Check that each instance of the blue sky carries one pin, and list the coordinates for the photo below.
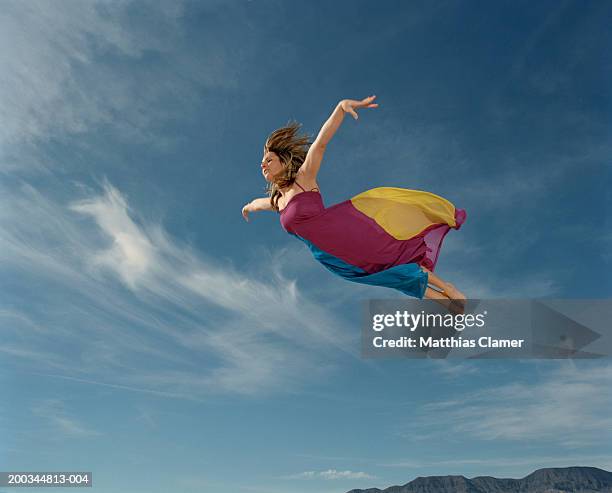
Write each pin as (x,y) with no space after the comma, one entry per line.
(153,337)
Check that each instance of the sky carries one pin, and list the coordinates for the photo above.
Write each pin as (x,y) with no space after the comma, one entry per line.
(152,336)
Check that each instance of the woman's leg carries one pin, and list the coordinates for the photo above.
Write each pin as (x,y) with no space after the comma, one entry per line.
(446,287)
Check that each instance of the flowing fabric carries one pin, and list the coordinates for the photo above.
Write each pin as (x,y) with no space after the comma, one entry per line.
(382,236)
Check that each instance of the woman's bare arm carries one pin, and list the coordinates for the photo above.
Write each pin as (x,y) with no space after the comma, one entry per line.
(261,204)
(312,163)
(330,127)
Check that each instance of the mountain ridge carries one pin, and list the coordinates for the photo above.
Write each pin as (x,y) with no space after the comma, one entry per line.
(574,479)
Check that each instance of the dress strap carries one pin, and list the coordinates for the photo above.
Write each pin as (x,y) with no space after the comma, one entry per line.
(303,187)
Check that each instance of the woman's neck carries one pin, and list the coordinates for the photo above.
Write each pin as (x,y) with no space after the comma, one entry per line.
(284,190)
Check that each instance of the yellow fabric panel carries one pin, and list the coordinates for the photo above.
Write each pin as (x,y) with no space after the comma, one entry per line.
(404,213)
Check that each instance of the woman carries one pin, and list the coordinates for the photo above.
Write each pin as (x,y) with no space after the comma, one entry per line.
(385,236)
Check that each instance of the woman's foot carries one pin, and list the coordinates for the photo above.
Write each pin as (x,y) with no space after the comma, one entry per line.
(456,307)
(454,294)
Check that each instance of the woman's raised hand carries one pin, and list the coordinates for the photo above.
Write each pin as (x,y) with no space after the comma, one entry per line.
(350,105)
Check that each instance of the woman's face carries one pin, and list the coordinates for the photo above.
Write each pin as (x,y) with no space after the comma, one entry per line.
(270,165)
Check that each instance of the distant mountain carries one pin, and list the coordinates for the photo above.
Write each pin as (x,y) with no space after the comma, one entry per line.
(549,480)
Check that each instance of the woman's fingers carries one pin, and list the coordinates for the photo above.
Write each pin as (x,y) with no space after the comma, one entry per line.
(352,105)
(367,102)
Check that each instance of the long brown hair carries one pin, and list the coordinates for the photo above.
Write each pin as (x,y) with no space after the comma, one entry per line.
(291,150)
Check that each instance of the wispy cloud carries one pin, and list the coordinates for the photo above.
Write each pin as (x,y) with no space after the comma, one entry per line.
(55,413)
(119,292)
(63,73)
(451,369)
(147,416)
(330,474)
(565,406)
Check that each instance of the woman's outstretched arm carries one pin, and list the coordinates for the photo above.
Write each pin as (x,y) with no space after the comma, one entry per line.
(261,204)
(312,163)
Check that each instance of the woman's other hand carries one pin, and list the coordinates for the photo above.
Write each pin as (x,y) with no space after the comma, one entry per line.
(245,211)
(350,105)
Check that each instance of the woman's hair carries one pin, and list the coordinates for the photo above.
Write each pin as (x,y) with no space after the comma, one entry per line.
(291,149)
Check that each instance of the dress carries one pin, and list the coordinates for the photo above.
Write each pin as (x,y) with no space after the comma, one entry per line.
(380,237)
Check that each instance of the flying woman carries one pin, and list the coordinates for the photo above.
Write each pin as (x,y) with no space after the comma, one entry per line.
(385,236)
